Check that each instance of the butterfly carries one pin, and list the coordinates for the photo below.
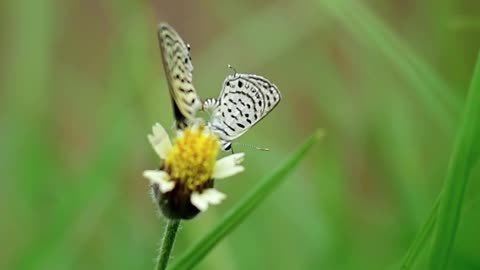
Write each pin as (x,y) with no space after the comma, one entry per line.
(245,99)
(177,63)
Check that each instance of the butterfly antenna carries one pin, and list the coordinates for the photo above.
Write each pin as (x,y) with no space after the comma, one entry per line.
(253,146)
(232,68)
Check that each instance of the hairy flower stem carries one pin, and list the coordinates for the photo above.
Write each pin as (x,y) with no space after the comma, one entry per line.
(167,243)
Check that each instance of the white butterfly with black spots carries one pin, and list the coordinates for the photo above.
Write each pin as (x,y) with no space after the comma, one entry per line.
(245,99)
(178,67)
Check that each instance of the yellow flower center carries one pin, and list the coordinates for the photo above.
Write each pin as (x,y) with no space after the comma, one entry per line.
(192,158)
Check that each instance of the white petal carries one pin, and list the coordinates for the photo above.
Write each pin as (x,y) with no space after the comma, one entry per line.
(213,196)
(198,201)
(207,197)
(161,178)
(160,141)
(228,166)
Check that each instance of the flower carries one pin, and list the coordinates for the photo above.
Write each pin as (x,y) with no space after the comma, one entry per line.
(183,185)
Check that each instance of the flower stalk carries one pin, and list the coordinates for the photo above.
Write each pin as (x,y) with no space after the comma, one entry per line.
(167,243)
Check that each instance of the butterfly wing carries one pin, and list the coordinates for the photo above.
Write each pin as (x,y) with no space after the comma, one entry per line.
(269,91)
(178,68)
(245,99)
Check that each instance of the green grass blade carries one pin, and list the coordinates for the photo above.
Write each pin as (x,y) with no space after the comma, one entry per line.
(461,164)
(420,240)
(195,254)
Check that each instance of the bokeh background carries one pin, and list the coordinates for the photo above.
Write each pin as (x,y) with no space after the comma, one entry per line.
(81,83)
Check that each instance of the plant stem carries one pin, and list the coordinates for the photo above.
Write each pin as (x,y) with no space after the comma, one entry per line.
(167,243)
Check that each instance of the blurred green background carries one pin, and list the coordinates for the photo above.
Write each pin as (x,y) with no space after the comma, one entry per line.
(81,84)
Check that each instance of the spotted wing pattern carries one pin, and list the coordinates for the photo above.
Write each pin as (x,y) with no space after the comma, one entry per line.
(178,67)
(245,99)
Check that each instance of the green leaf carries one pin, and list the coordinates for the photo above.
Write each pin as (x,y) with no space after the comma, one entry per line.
(266,186)
(461,163)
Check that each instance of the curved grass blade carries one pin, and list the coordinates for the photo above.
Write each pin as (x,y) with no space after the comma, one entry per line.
(268,184)
(420,240)
(462,160)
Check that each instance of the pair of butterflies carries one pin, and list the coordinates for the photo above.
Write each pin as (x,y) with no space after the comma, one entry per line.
(245,99)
